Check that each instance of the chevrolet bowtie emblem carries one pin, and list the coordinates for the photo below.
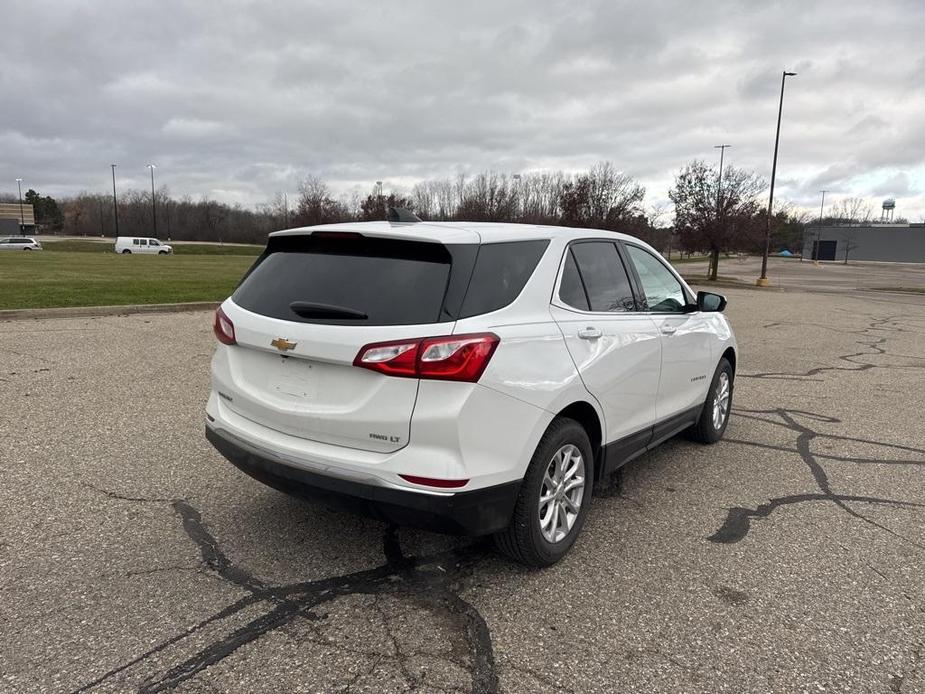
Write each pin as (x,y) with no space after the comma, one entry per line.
(282,344)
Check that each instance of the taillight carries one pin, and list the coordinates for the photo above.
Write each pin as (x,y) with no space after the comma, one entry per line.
(448,358)
(223,328)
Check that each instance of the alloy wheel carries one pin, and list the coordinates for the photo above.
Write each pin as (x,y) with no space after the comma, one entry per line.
(561,493)
(721,401)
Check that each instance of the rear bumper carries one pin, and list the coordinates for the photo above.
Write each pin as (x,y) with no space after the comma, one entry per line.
(475,512)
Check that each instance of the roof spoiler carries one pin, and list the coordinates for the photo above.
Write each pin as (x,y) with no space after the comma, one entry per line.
(401,214)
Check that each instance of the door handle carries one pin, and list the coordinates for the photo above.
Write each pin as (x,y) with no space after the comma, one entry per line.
(589,333)
(669,330)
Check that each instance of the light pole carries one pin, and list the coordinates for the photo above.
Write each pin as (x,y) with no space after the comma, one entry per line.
(714,259)
(115,203)
(22,217)
(818,227)
(153,202)
(763,280)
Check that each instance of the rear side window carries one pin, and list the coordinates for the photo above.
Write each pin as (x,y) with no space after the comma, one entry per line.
(348,280)
(500,273)
(606,284)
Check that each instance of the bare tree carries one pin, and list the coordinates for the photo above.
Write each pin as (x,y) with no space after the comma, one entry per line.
(316,205)
(852,211)
(601,197)
(604,198)
(711,218)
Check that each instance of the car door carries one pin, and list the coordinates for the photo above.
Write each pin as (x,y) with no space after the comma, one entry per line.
(687,337)
(615,347)
(143,246)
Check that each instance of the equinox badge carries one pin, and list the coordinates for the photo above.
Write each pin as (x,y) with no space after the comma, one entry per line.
(282,344)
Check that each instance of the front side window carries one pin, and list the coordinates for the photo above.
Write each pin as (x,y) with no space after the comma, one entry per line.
(663,292)
(603,278)
(153,242)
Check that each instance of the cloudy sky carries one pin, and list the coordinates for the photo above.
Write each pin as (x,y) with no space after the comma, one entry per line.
(238,100)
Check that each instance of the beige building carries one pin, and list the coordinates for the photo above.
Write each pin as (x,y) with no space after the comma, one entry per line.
(10,219)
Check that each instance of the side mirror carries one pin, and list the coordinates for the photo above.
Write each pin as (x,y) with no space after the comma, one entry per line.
(708,301)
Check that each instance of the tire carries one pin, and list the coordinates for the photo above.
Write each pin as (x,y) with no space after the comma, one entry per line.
(126,250)
(524,540)
(162,252)
(706,430)
(27,248)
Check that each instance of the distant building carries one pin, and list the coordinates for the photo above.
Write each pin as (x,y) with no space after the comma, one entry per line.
(890,243)
(10,219)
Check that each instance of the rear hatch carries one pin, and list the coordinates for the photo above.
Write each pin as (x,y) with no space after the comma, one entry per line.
(305,310)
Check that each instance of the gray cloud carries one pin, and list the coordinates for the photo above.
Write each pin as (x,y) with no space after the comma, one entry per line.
(239,100)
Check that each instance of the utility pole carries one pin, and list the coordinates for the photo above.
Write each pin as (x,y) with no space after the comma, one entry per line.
(153,202)
(818,226)
(22,216)
(714,260)
(763,280)
(115,203)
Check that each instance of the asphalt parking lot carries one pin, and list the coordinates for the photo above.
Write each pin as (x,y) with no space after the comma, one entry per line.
(788,558)
(794,274)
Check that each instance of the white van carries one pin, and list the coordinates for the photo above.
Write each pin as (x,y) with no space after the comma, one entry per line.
(139,244)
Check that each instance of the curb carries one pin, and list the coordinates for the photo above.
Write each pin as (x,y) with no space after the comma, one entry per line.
(89,311)
(723,284)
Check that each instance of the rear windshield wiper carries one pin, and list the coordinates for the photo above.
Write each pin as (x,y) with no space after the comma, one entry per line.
(308,309)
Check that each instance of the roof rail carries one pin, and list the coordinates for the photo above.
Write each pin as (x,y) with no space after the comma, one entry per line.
(401,214)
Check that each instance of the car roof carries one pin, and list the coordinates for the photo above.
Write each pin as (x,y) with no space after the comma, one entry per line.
(458,232)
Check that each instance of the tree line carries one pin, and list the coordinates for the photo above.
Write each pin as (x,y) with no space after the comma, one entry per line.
(710,214)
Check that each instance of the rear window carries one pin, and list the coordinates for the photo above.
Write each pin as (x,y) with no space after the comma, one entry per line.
(354,279)
(500,273)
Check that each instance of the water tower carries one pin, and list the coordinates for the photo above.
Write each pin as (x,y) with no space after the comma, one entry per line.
(888,206)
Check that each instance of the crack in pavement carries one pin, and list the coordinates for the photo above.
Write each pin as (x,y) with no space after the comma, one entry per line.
(739,519)
(872,345)
(433,580)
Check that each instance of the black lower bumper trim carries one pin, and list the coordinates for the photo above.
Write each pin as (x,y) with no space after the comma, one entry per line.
(477,512)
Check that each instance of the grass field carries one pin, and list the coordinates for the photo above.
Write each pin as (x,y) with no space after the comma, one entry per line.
(77,246)
(80,277)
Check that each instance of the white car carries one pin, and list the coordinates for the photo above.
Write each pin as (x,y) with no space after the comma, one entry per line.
(141,244)
(19,243)
(462,377)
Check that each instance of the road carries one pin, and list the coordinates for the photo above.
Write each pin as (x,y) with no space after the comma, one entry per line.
(788,558)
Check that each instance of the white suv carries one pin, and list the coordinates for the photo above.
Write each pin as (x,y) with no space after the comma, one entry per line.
(464,378)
